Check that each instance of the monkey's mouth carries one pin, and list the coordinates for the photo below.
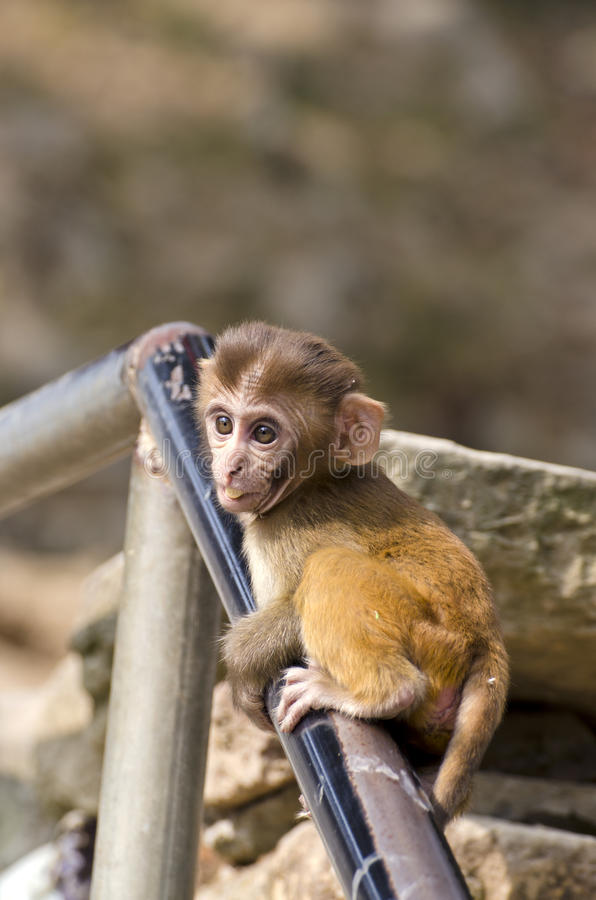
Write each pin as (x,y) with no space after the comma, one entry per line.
(233,493)
(236,500)
(260,501)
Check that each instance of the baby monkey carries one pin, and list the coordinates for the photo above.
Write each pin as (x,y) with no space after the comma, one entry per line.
(390,614)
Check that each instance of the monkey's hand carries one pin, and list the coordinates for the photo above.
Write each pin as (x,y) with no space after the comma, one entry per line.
(256,649)
(251,702)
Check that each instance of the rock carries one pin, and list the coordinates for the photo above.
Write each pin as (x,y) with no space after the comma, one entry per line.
(39,594)
(95,643)
(65,707)
(101,592)
(297,868)
(243,762)
(504,861)
(24,823)
(68,771)
(95,628)
(55,714)
(50,757)
(22,667)
(501,861)
(540,743)
(39,597)
(57,870)
(54,742)
(246,833)
(558,804)
(533,526)
(59,707)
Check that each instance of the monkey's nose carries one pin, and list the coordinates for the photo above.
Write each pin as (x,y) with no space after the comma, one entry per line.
(234,466)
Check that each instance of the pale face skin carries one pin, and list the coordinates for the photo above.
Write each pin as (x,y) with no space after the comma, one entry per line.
(254,444)
(251,444)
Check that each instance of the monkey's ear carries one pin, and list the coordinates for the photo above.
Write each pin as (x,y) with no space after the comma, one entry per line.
(358,421)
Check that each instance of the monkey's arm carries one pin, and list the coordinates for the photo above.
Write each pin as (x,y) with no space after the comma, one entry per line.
(257,649)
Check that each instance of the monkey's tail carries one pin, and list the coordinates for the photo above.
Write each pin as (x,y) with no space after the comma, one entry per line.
(480,711)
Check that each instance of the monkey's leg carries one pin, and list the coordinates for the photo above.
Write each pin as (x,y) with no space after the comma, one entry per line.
(313,688)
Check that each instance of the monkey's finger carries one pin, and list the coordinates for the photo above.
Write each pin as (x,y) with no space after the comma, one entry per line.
(297,675)
(293,716)
(295,702)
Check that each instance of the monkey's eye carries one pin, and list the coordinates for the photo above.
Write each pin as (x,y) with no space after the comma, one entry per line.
(264,434)
(224,425)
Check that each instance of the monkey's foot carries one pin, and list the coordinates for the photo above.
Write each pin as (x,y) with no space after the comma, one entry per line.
(314,688)
(304,690)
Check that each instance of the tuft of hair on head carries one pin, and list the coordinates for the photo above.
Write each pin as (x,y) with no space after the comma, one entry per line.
(273,359)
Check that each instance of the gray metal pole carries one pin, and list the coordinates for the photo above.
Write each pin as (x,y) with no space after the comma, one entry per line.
(160,702)
(66,430)
(73,426)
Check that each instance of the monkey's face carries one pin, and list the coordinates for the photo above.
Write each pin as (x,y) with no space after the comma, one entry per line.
(252,452)
(279,408)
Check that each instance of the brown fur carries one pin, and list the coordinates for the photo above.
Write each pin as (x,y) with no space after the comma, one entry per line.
(392,612)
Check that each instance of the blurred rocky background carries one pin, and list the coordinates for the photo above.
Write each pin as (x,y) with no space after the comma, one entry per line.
(415,180)
(531,829)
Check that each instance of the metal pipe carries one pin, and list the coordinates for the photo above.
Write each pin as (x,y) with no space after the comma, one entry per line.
(76,424)
(66,430)
(160,702)
(373,817)
(163,380)
(368,807)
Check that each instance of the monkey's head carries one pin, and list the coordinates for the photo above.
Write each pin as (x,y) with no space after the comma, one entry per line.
(278,407)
